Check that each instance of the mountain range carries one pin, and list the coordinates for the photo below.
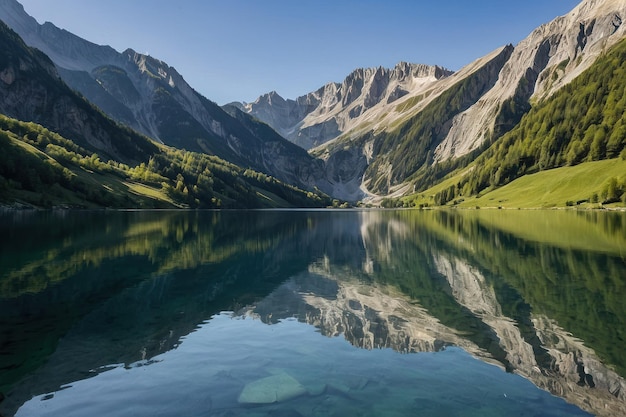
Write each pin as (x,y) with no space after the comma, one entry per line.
(152,98)
(58,149)
(320,116)
(380,133)
(398,122)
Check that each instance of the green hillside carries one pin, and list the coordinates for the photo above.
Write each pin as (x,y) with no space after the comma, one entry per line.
(587,185)
(42,169)
(584,185)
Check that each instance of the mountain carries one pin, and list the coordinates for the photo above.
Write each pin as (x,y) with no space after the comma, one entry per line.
(549,58)
(381,133)
(585,121)
(57,149)
(315,118)
(31,90)
(407,143)
(151,97)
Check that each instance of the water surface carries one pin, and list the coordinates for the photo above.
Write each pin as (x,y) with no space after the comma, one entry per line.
(313,313)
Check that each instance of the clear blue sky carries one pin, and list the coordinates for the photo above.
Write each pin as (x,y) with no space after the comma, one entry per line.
(239,49)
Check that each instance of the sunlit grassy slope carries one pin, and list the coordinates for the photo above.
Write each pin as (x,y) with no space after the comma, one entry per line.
(557,228)
(546,189)
(123,190)
(554,188)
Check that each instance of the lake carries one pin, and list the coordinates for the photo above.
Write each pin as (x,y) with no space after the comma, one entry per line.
(313,313)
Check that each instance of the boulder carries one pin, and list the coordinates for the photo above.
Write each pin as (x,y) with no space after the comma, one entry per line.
(272,389)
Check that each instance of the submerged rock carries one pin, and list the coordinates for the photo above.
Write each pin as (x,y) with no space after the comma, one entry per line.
(272,389)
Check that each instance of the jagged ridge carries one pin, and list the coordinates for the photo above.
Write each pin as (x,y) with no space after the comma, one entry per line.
(372,141)
(335,108)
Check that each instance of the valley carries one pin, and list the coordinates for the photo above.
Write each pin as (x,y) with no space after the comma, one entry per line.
(391,137)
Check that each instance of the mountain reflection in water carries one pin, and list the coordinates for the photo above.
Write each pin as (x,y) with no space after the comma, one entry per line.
(539,294)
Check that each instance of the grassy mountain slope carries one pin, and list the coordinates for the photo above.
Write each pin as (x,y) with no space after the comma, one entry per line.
(43,169)
(584,185)
(585,121)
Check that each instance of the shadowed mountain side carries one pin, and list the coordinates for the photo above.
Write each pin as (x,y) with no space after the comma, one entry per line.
(31,90)
(151,97)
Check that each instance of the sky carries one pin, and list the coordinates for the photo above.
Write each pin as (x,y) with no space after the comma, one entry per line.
(237,50)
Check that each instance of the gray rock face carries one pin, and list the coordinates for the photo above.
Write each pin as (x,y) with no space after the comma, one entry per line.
(65,49)
(31,90)
(549,58)
(351,115)
(88,68)
(317,117)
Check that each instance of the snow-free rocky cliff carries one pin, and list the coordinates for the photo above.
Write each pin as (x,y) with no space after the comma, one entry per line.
(549,58)
(347,130)
(335,108)
(120,83)
(31,90)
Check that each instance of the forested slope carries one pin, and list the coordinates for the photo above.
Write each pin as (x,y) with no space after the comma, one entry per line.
(585,121)
(41,168)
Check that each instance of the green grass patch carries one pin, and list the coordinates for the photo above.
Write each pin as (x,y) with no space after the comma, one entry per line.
(406,105)
(553,188)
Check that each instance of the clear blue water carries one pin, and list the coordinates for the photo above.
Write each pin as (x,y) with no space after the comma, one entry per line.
(311,313)
(207,372)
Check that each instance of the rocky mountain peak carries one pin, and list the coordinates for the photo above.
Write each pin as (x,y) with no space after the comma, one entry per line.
(153,67)
(335,108)
(64,48)
(16,17)
(272,98)
(403,70)
(549,58)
